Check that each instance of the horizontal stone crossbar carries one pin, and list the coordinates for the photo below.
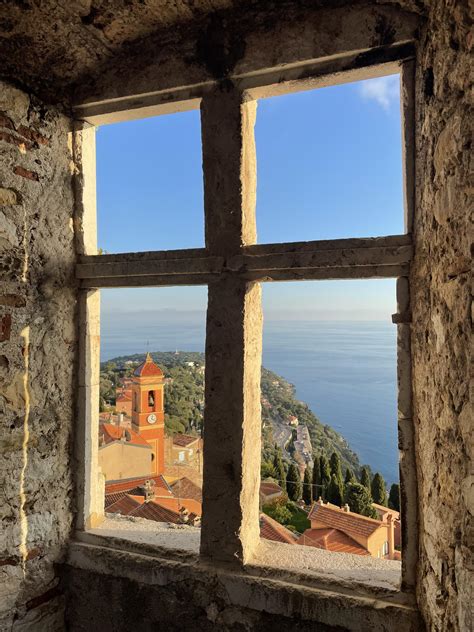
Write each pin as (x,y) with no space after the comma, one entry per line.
(332,259)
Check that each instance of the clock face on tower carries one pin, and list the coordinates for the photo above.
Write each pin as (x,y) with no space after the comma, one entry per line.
(151,418)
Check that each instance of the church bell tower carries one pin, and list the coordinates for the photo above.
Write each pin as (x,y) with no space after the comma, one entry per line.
(148,417)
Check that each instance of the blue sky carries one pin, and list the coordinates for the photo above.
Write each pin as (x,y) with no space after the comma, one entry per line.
(328,165)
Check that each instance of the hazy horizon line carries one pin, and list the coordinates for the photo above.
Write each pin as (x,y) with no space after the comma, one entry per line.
(272,314)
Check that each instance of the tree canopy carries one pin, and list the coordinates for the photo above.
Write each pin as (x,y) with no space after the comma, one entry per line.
(358,498)
(394,497)
(334,492)
(379,490)
(307,486)
(293,483)
(365,477)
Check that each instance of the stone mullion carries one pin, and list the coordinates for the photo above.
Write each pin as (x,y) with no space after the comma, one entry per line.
(230,529)
(406,437)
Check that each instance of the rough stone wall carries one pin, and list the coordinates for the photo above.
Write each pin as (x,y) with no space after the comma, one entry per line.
(441,296)
(37,358)
(176,607)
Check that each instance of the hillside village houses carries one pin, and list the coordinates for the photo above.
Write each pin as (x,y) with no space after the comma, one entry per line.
(157,477)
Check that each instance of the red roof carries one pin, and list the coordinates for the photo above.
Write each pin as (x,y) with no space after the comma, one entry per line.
(342,520)
(123,397)
(331,540)
(110,499)
(124,506)
(130,485)
(115,433)
(185,488)
(148,368)
(154,511)
(183,440)
(272,530)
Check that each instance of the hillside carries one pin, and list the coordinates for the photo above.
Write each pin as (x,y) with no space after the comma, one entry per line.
(184,404)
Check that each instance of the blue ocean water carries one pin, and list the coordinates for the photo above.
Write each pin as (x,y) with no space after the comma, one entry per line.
(345,371)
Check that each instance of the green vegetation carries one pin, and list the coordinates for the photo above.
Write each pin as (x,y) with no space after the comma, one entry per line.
(307,486)
(184,405)
(358,498)
(349,477)
(294,487)
(365,477)
(288,514)
(184,399)
(279,469)
(335,491)
(280,403)
(394,497)
(324,475)
(378,489)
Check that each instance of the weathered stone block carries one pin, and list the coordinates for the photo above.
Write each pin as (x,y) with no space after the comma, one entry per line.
(8,197)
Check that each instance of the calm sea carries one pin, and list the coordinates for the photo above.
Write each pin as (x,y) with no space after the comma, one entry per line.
(345,371)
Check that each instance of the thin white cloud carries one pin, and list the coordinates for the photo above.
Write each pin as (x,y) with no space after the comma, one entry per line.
(383,90)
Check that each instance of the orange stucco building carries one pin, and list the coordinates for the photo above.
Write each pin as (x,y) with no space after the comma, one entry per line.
(341,530)
(148,417)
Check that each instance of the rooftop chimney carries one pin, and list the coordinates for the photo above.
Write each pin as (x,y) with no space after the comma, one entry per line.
(148,488)
(119,419)
(346,508)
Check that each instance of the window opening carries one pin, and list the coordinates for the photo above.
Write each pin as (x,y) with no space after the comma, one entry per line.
(233,266)
(142,165)
(140,449)
(151,399)
(329,163)
(329,421)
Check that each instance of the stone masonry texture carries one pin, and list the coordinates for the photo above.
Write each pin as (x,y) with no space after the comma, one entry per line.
(441,300)
(37,358)
(38,297)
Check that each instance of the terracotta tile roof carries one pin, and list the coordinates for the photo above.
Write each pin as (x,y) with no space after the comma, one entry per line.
(148,368)
(130,485)
(154,511)
(346,521)
(110,499)
(331,540)
(112,433)
(183,440)
(185,488)
(124,506)
(269,487)
(272,530)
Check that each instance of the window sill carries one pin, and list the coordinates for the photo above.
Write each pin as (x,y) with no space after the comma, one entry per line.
(321,596)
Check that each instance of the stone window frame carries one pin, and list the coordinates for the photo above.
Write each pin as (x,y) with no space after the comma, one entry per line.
(233,265)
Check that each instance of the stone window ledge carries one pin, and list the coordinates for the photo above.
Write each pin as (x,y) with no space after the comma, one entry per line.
(140,555)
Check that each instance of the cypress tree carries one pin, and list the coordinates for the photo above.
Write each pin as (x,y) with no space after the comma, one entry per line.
(394,497)
(279,468)
(379,490)
(334,491)
(317,489)
(335,465)
(349,477)
(307,486)
(365,477)
(325,474)
(359,500)
(293,483)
